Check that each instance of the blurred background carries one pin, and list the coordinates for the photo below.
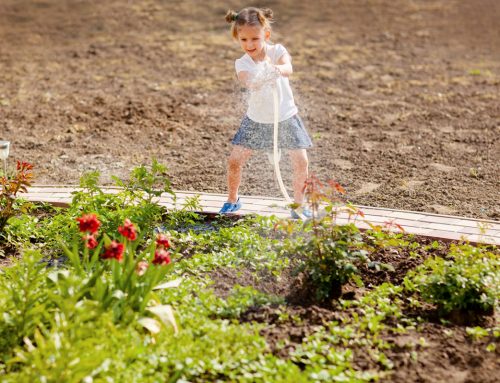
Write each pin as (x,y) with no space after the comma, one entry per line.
(401,97)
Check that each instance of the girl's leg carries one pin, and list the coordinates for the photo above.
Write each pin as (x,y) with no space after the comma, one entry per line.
(300,165)
(237,159)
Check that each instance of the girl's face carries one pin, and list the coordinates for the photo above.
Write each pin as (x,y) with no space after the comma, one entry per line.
(253,39)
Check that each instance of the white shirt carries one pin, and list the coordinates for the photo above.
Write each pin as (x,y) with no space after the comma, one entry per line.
(260,103)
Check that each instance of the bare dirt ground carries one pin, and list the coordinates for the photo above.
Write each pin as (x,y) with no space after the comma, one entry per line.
(448,354)
(401,97)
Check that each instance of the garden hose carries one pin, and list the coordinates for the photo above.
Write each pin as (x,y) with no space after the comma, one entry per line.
(276,155)
(277,172)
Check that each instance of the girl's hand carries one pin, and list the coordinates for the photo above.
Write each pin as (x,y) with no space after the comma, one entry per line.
(277,69)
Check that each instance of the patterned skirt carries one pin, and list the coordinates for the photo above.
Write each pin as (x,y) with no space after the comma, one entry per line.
(254,135)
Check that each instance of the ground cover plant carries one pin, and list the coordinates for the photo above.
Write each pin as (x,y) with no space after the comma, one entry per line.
(116,288)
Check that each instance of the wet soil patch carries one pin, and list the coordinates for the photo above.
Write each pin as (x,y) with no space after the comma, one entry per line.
(287,326)
(448,354)
(225,278)
(391,264)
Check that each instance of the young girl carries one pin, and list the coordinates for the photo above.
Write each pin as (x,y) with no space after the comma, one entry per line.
(263,66)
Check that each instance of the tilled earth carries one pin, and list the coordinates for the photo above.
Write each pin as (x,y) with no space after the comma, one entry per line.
(447,355)
(401,97)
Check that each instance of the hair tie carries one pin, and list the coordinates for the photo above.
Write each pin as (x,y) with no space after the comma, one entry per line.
(235,17)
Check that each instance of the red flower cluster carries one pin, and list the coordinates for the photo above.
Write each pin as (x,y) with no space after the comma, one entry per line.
(24,173)
(128,230)
(162,257)
(90,241)
(162,241)
(114,251)
(89,223)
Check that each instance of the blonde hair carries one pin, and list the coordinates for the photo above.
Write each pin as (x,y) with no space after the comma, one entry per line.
(249,16)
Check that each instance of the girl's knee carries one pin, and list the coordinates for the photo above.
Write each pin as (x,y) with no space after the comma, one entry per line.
(238,157)
(300,160)
(236,161)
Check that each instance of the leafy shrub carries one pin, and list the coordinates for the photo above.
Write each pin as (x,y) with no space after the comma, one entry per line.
(331,258)
(23,300)
(468,279)
(331,251)
(135,199)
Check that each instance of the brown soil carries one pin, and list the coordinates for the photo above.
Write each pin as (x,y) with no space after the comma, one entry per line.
(435,353)
(401,97)
(8,253)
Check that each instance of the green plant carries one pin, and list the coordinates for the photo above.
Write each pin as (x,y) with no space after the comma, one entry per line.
(476,333)
(331,252)
(147,184)
(10,205)
(119,276)
(23,299)
(135,199)
(468,279)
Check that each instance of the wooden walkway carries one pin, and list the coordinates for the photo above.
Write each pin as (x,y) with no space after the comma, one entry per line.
(426,224)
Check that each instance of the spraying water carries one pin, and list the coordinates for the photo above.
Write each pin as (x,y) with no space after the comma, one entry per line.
(268,77)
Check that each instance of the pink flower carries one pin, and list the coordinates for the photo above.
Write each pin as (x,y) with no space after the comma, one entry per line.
(90,241)
(162,257)
(162,241)
(128,230)
(89,223)
(113,251)
(141,267)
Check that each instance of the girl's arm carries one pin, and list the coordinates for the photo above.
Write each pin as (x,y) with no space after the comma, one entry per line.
(284,65)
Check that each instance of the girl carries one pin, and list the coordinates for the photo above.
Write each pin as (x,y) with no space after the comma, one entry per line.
(263,66)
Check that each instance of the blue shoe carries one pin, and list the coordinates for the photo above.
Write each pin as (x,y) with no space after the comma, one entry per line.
(301,213)
(229,207)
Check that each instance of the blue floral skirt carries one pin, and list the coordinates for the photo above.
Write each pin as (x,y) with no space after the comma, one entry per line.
(254,135)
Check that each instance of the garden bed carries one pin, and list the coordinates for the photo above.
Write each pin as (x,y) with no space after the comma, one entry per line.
(436,352)
(409,342)
(118,287)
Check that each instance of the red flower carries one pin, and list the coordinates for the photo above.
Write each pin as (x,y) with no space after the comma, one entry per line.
(162,241)
(128,230)
(90,241)
(113,251)
(22,166)
(162,257)
(89,222)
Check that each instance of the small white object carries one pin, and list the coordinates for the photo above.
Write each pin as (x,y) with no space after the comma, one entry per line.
(4,150)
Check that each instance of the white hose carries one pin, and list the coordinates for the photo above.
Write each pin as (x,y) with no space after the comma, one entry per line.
(276,155)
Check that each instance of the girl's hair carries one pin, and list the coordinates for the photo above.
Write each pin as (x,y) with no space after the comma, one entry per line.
(249,16)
